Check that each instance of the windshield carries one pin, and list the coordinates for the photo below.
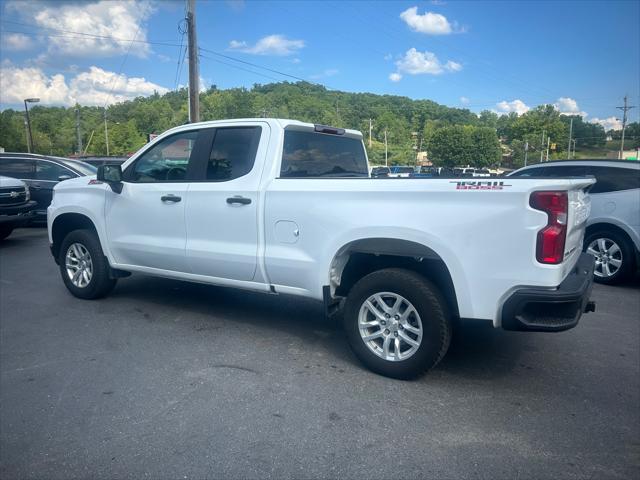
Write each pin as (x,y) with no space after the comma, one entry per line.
(311,154)
(82,167)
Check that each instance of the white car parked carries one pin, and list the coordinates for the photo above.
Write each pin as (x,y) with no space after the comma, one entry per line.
(285,207)
(613,229)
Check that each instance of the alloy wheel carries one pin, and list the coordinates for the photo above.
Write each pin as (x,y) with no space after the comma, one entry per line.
(79,265)
(608,257)
(390,326)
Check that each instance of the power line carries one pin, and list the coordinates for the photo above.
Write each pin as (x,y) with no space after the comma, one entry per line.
(126,56)
(240,68)
(272,70)
(181,30)
(85,34)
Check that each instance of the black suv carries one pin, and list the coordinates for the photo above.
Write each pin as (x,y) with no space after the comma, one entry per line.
(41,173)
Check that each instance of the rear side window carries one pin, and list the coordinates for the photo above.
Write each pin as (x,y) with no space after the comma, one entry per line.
(16,168)
(613,179)
(311,154)
(233,153)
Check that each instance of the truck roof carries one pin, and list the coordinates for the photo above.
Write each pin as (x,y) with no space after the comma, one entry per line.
(283,123)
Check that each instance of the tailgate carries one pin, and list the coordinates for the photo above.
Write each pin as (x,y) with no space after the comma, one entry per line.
(579,210)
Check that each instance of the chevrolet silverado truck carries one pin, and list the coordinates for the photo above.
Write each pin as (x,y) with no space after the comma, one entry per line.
(284,207)
(16,207)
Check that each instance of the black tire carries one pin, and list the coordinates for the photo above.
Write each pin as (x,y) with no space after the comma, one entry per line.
(626,249)
(101,283)
(5,232)
(428,302)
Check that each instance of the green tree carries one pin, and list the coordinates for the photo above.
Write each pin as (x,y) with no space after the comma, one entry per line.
(451,146)
(487,151)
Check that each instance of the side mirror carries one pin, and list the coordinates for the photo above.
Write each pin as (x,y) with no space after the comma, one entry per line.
(62,178)
(111,174)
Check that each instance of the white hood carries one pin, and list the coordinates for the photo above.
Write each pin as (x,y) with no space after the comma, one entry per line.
(7,182)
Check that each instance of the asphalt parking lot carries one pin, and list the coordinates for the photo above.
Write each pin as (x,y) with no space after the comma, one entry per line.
(171,380)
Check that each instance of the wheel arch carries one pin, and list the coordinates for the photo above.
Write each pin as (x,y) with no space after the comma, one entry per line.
(65,223)
(366,255)
(609,227)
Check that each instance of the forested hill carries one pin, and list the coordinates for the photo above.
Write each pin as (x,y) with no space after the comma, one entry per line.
(455,135)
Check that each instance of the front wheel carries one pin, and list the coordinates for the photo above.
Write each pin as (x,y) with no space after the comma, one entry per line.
(397,323)
(83,266)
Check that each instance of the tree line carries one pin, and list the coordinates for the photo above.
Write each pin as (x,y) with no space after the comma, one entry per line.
(451,136)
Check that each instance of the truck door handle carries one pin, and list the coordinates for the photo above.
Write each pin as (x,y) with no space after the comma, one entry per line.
(239,199)
(170,198)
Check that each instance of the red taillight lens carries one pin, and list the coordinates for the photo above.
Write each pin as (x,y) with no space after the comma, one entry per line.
(550,248)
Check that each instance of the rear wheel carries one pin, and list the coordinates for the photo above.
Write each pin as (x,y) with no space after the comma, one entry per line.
(83,266)
(5,231)
(397,323)
(614,256)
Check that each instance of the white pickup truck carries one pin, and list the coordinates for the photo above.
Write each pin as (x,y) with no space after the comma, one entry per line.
(285,207)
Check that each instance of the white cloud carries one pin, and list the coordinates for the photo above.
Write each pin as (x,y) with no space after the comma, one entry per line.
(568,106)
(428,23)
(269,45)
(464,101)
(452,66)
(91,87)
(388,57)
(395,77)
(610,123)
(16,41)
(121,20)
(517,106)
(330,72)
(420,63)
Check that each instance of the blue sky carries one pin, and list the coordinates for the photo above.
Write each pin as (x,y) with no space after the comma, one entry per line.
(503,56)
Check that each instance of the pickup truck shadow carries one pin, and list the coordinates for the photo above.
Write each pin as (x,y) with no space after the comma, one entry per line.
(477,350)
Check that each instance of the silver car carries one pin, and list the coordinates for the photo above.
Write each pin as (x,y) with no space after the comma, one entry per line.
(613,229)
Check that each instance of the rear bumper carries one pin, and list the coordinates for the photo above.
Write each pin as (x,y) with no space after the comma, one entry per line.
(536,309)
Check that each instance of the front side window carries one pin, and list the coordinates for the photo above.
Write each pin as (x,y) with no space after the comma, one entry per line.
(311,154)
(613,179)
(233,153)
(167,161)
(51,171)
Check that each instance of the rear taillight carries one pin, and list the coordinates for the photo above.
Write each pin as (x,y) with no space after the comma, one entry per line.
(550,247)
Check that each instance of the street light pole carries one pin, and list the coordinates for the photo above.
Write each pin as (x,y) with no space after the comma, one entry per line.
(106,131)
(26,111)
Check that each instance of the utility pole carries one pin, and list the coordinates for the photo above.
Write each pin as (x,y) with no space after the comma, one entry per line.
(526,152)
(542,147)
(548,141)
(27,122)
(106,131)
(78,135)
(370,130)
(624,109)
(386,152)
(194,73)
(570,134)
(337,112)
